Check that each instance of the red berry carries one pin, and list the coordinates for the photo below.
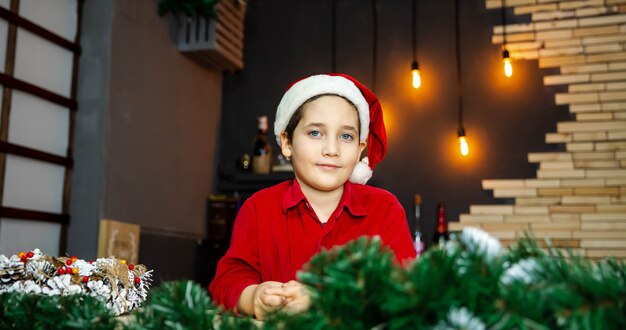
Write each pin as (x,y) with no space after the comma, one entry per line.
(23,258)
(92,261)
(30,254)
(61,271)
(131,266)
(73,258)
(68,262)
(85,279)
(137,280)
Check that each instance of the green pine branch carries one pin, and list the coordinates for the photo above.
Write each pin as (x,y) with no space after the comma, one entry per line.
(470,283)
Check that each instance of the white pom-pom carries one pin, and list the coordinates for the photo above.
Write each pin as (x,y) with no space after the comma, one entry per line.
(361,173)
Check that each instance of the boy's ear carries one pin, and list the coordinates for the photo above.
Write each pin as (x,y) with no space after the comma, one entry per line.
(285,145)
(362,145)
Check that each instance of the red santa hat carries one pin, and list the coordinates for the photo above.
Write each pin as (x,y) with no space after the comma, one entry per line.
(367,105)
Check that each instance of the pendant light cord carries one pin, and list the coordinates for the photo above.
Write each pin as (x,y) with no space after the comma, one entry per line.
(333,37)
(458,61)
(503,17)
(374,43)
(414,30)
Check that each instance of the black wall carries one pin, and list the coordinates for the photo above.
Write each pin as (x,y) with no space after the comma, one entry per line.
(504,118)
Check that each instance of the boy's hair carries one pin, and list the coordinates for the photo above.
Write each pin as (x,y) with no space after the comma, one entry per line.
(295,119)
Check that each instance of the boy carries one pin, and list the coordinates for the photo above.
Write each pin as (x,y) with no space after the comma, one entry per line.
(323,124)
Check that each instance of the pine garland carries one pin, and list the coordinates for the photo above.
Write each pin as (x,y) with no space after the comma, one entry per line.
(27,311)
(469,283)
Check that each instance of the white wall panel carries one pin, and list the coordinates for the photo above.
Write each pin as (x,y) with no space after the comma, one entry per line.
(38,124)
(5,3)
(42,63)
(20,235)
(4,32)
(58,16)
(33,185)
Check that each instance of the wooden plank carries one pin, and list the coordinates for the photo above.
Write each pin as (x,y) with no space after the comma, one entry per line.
(472,218)
(602,253)
(605,173)
(603,243)
(591,126)
(527,218)
(537,200)
(545,192)
(560,174)
(491,209)
(539,183)
(563,79)
(568,200)
(498,183)
(589,136)
(536,157)
(603,217)
(606,155)
(596,164)
(531,210)
(599,234)
(514,192)
(598,191)
(571,208)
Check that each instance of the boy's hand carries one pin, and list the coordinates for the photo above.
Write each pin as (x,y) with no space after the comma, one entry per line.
(296,296)
(265,300)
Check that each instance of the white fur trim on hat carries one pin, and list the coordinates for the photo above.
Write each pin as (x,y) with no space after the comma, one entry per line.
(361,172)
(316,85)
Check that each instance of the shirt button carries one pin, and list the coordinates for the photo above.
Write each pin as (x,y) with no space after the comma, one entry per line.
(307,205)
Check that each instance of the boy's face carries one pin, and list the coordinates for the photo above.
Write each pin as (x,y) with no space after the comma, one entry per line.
(325,145)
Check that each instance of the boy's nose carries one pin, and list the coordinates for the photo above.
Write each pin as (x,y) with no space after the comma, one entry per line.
(330,148)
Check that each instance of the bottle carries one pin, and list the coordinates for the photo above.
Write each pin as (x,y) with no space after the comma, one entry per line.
(262,153)
(441,230)
(419,245)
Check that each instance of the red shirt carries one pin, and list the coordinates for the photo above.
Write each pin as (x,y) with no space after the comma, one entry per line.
(276,232)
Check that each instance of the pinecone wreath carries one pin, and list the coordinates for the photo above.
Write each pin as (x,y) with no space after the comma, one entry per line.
(121,286)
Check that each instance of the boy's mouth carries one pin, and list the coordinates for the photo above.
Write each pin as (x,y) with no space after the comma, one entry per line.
(328,166)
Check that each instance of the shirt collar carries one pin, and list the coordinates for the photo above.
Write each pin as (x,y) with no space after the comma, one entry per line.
(349,199)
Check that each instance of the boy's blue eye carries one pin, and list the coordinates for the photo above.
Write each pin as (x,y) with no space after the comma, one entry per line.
(314,133)
(346,136)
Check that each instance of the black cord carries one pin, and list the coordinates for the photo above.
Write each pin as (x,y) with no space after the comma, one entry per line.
(458,61)
(333,47)
(503,17)
(374,44)
(414,29)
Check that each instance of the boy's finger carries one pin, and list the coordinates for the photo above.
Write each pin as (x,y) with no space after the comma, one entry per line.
(272,300)
(277,291)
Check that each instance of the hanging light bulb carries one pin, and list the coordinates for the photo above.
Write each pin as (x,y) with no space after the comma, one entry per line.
(464,147)
(415,73)
(508,68)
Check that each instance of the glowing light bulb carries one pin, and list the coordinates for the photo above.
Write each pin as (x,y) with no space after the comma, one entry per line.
(464,147)
(417,80)
(508,68)
(415,73)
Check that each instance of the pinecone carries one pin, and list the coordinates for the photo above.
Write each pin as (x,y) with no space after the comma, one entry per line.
(11,270)
(39,270)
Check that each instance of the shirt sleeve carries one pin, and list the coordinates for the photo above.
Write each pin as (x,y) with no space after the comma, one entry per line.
(395,232)
(239,268)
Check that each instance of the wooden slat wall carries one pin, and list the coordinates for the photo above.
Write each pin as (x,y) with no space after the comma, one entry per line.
(578,198)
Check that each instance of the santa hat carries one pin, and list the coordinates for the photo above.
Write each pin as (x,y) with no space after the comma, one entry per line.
(367,105)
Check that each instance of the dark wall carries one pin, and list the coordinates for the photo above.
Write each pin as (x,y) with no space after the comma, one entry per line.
(162,125)
(504,118)
(146,136)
